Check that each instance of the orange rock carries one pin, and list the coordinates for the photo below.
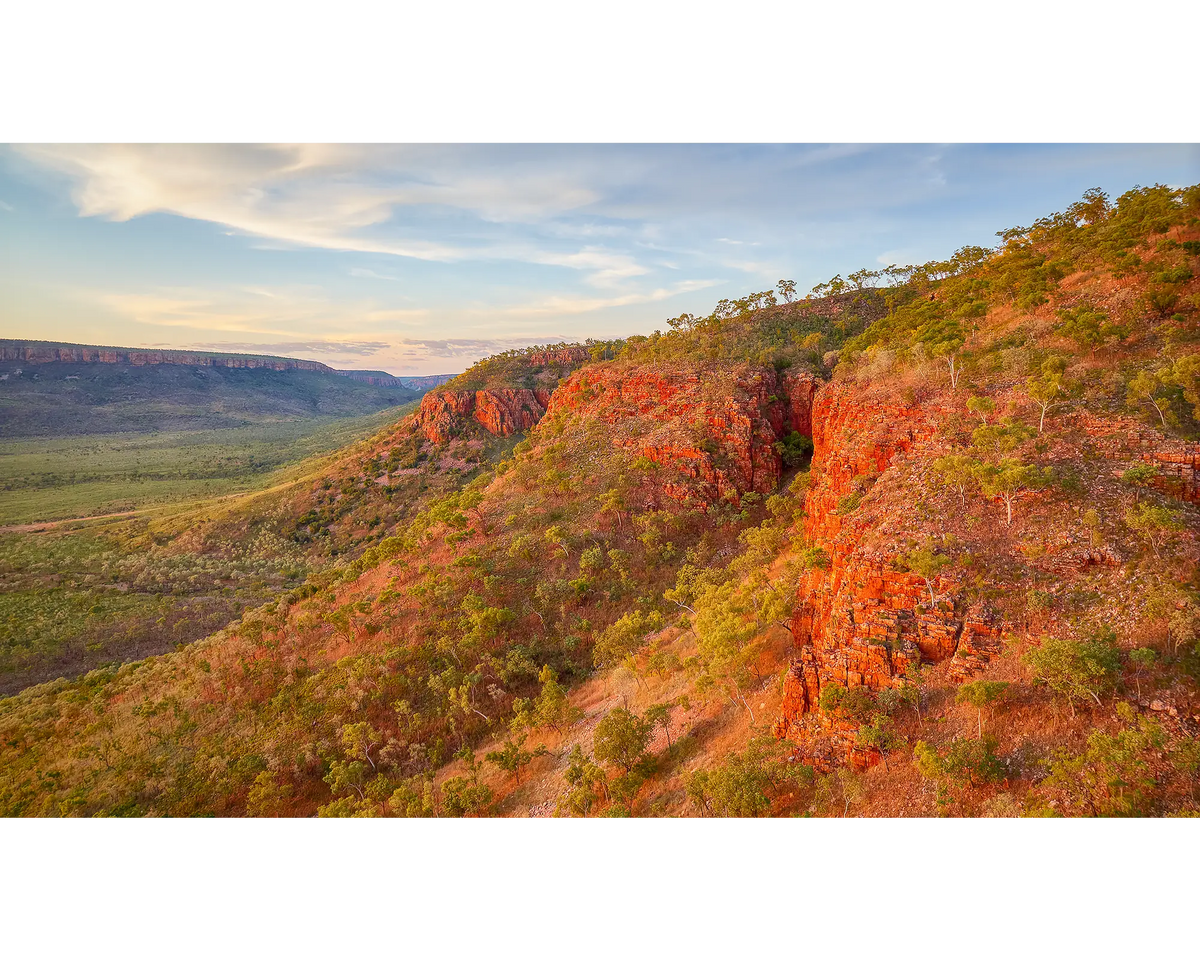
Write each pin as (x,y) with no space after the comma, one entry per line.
(501,412)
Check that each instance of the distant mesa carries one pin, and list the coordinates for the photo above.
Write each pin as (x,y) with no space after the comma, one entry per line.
(38,351)
(43,351)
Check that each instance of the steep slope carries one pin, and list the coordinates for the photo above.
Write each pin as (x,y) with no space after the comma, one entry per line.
(981,599)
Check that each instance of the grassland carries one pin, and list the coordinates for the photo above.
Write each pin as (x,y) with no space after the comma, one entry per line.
(65,477)
(90,590)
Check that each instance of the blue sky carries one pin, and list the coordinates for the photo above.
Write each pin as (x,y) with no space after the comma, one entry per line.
(421,259)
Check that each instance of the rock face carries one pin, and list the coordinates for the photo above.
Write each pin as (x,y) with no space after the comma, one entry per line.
(560,357)
(860,621)
(34,353)
(718,439)
(501,412)
(1127,439)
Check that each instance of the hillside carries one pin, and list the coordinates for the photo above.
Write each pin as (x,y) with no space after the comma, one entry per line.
(923,543)
(49,389)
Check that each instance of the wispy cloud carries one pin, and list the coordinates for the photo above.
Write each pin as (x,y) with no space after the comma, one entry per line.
(347,244)
(341,348)
(364,273)
(324,196)
(565,306)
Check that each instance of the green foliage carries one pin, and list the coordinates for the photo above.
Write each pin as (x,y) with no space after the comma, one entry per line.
(744,783)
(1076,670)
(794,449)
(815,558)
(466,796)
(1150,387)
(1140,476)
(1154,522)
(927,565)
(1046,389)
(585,785)
(625,637)
(958,472)
(849,503)
(1112,777)
(1089,328)
(1010,478)
(621,738)
(1000,438)
(512,758)
(980,694)
(964,761)
(551,708)
(981,407)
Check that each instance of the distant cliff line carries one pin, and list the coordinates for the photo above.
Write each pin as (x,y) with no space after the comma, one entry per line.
(34,351)
(39,351)
(380,379)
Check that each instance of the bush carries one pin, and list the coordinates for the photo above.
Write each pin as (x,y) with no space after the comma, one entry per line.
(1076,670)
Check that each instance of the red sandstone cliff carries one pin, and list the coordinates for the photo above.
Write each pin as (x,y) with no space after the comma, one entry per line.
(715,430)
(501,412)
(861,621)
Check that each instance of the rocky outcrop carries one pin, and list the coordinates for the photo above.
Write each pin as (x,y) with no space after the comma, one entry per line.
(717,441)
(1128,440)
(860,619)
(35,353)
(502,413)
(560,357)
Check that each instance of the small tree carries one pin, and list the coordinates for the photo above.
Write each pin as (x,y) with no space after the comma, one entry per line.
(1076,670)
(1113,776)
(957,471)
(1147,387)
(842,786)
(964,761)
(949,352)
(621,739)
(1139,477)
(512,758)
(927,565)
(466,796)
(1009,479)
(981,407)
(1044,390)
(1088,327)
(1153,522)
(980,694)
(1143,658)
(585,783)
(659,715)
(787,290)
(879,735)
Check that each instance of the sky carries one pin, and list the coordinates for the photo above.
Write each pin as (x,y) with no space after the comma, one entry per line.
(423,259)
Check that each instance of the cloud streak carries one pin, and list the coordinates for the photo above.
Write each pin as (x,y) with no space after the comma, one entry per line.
(456,247)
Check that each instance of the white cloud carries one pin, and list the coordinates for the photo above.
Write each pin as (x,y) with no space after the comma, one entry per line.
(608,267)
(566,305)
(327,196)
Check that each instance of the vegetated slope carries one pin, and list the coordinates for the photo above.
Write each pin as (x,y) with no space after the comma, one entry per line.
(83,593)
(120,391)
(980,599)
